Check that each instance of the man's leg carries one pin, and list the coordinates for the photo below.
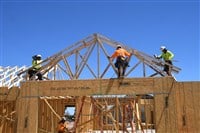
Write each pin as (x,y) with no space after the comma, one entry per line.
(124,69)
(125,64)
(169,71)
(168,68)
(132,126)
(117,65)
(31,72)
(39,76)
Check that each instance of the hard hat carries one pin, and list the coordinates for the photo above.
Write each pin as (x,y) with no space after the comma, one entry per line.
(119,46)
(162,47)
(39,56)
(64,118)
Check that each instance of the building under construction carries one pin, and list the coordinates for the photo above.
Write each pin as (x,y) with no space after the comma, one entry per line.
(82,78)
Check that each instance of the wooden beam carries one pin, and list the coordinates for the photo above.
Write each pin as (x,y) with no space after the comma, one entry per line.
(129,86)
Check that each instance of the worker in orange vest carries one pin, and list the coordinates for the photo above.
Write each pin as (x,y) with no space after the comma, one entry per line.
(61,125)
(122,58)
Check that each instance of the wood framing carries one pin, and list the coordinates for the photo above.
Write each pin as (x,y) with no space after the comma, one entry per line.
(38,105)
(91,55)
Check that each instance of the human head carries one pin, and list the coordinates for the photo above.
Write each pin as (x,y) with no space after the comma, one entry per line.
(63,119)
(163,48)
(119,46)
(37,57)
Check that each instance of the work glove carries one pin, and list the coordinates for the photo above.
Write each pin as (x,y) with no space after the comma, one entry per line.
(155,56)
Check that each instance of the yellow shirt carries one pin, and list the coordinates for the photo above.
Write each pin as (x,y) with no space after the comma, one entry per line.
(36,64)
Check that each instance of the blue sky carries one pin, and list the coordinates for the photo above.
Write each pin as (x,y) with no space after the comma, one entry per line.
(48,26)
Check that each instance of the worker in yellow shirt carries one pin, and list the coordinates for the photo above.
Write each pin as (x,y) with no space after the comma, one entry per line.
(36,65)
(167,57)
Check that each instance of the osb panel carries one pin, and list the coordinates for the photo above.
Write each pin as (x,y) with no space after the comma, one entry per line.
(182,113)
(9,94)
(190,93)
(164,106)
(171,126)
(196,99)
(89,87)
(27,112)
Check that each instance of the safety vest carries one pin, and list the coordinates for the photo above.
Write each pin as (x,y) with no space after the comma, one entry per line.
(167,56)
(36,64)
(120,52)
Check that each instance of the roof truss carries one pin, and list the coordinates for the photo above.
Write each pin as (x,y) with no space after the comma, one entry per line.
(87,59)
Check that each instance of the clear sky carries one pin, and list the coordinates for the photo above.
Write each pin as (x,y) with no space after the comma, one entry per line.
(29,27)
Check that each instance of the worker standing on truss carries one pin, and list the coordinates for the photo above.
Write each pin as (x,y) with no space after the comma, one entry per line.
(122,59)
(36,65)
(167,57)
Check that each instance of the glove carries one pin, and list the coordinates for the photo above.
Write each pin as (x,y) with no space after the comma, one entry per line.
(155,56)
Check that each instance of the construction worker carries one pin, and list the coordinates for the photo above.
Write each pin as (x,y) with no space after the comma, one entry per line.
(122,58)
(167,57)
(61,125)
(36,65)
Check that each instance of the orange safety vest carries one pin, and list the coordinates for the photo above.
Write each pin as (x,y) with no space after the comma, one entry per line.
(120,52)
(61,128)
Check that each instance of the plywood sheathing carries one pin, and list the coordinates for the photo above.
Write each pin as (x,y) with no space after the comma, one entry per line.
(164,106)
(188,106)
(89,87)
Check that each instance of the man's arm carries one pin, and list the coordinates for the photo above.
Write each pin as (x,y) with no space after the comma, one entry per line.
(171,55)
(114,55)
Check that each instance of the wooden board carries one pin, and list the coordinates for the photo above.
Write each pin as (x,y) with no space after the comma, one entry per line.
(91,87)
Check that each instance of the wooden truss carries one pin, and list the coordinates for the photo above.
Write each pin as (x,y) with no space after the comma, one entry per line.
(8,76)
(88,59)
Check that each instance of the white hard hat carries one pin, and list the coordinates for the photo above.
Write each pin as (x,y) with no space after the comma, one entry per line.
(39,56)
(162,47)
(64,118)
(119,46)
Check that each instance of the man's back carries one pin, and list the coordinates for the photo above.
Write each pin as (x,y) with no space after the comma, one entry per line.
(120,52)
